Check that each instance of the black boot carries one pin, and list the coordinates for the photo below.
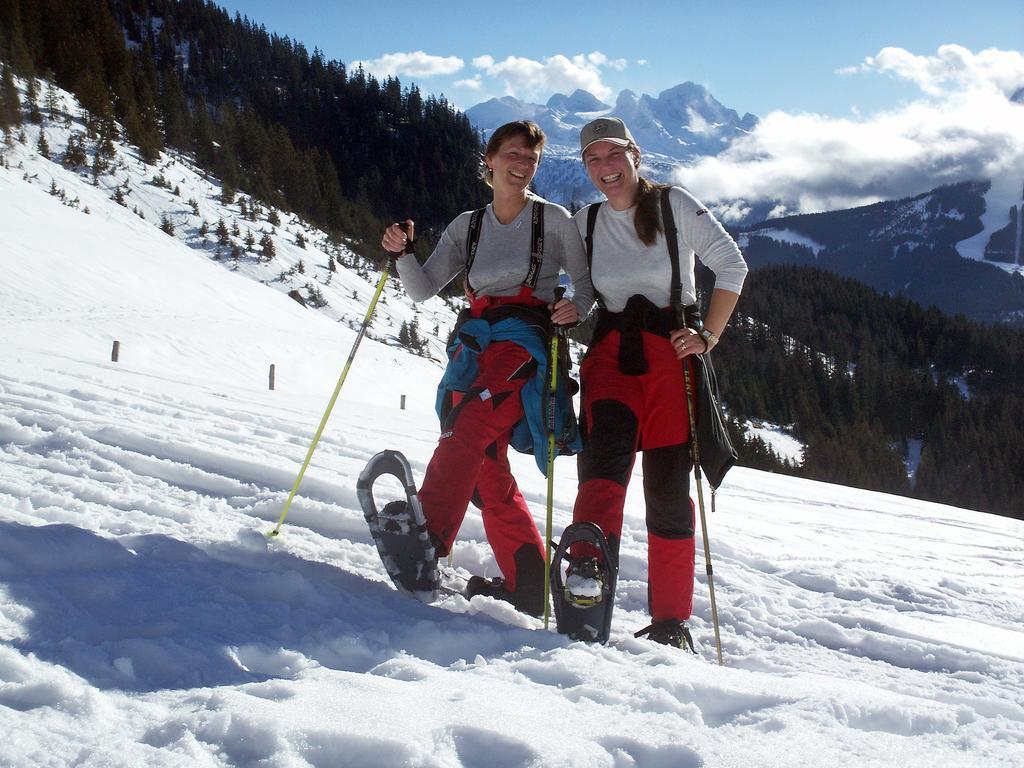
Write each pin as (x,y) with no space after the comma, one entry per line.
(528,596)
(669,632)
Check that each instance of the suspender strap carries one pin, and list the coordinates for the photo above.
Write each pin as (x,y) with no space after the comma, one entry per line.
(473,240)
(592,212)
(672,241)
(537,245)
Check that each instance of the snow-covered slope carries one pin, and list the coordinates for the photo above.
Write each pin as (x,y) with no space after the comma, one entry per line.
(145,619)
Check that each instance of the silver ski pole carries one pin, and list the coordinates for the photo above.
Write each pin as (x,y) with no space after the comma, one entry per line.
(688,379)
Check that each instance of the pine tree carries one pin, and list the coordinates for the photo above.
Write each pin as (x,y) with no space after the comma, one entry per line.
(267,245)
(174,114)
(223,236)
(10,102)
(52,102)
(167,225)
(74,154)
(42,146)
(31,94)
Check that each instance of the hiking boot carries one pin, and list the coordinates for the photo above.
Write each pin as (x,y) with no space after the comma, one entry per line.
(495,587)
(584,582)
(669,632)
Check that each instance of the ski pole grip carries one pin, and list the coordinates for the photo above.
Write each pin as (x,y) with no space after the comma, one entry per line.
(559,293)
(410,244)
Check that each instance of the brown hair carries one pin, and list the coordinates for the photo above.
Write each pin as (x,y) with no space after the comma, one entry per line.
(528,130)
(647,219)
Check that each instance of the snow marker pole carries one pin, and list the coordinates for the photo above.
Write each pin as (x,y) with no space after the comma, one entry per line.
(688,379)
(552,404)
(334,397)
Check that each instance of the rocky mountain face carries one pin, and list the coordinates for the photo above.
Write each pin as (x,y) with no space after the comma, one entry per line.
(679,125)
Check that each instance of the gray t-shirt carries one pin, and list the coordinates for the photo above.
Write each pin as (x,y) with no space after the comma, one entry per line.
(623,266)
(503,258)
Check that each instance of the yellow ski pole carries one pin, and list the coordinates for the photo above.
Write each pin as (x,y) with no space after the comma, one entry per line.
(552,404)
(334,397)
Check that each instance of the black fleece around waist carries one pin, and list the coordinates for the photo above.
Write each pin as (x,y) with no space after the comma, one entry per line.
(640,314)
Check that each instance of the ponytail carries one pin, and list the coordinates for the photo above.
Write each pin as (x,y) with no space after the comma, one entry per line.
(647,219)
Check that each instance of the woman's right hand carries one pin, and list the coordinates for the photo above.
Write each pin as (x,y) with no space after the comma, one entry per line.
(395,238)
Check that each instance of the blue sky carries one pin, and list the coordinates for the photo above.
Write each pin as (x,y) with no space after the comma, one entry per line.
(753,56)
(858,100)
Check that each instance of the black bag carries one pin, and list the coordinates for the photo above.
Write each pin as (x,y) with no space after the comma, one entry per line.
(716,452)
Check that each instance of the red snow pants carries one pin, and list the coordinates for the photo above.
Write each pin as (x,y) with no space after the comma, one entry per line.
(620,415)
(471,463)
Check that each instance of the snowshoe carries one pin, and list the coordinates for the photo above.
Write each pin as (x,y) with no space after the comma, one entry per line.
(584,594)
(399,529)
(669,632)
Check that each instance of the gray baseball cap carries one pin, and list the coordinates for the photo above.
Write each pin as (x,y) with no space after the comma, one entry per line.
(605,129)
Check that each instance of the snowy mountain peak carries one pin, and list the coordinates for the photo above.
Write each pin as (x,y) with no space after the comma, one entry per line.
(578,101)
(681,124)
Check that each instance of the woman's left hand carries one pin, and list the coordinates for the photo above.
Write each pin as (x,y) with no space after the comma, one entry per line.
(687,341)
(563,312)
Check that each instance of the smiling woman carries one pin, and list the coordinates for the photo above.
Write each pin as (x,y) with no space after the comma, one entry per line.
(512,252)
(637,373)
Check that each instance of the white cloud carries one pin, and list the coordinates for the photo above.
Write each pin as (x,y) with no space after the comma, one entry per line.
(966,128)
(952,65)
(416,64)
(524,78)
(474,83)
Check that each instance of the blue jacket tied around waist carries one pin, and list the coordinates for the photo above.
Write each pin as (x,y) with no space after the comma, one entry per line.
(530,434)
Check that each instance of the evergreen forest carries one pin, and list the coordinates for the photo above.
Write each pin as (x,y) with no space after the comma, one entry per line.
(861,378)
(342,148)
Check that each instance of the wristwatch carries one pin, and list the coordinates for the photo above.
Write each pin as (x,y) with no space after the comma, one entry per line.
(709,338)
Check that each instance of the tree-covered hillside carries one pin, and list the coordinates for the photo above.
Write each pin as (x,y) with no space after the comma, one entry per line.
(861,376)
(258,110)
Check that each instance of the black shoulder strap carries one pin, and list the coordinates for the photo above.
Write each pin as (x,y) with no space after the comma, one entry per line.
(592,212)
(668,221)
(536,245)
(473,239)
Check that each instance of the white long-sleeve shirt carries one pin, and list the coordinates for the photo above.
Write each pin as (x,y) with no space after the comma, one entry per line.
(503,258)
(623,266)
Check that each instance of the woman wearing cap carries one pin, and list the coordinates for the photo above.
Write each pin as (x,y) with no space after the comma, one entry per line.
(512,253)
(633,387)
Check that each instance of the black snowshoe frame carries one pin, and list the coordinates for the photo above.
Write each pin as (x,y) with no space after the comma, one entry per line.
(400,529)
(590,620)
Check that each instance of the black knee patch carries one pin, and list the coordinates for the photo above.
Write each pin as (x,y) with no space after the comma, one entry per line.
(667,491)
(609,443)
